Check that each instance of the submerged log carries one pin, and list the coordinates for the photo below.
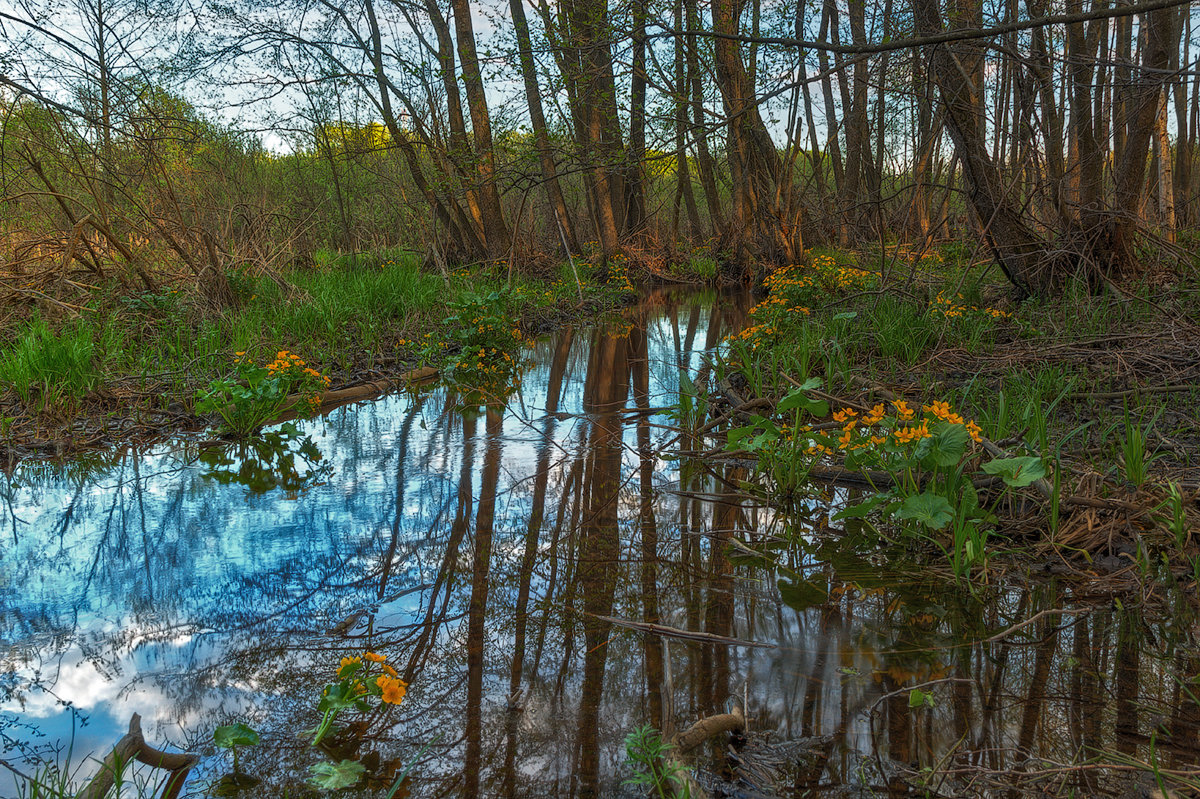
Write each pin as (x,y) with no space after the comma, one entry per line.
(708,727)
(133,746)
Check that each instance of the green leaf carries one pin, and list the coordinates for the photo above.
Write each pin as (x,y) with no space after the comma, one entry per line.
(919,698)
(333,777)
(798,398)
(231,735)
(862,509)
(734,437)
(945,445)
(1017,472)
(930,509)
(337,696)
(802,594)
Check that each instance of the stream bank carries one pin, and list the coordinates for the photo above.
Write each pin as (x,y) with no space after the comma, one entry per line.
(548,576)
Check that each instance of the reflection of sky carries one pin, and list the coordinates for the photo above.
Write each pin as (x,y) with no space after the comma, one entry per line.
(139,586)
(118,583)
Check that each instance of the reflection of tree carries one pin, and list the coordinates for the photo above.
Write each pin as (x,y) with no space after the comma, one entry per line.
(477,636)
(607,390)
(477,556)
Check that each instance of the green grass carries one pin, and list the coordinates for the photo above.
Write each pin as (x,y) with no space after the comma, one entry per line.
(47,367)
(344,315)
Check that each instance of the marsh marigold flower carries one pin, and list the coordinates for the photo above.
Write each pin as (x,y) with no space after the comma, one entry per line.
(393,689)
(374,657)
(347,663)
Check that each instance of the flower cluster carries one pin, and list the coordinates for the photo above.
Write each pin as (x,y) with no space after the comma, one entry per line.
(949,308)
(357,683)
(391,688)
(289,364)
(618,274)
(484,362)
(254,395)
(893,426)
(791,291)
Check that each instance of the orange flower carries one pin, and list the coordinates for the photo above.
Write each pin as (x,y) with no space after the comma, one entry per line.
(939,409)
(373,657)
(875,416)
(346,664)
(393,689)
(844,414)
(974,431)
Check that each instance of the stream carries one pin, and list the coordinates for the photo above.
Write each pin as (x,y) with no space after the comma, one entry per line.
(507,563)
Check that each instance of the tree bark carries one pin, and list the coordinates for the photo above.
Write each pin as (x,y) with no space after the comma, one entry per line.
(495,230)
(537,116)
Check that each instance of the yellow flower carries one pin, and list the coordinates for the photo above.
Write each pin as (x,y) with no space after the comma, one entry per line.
(974,431)
(393,689)
(903,412)
(346,664)
(373,657)
(939,409)
(388,670)
(875,416)
(844,414)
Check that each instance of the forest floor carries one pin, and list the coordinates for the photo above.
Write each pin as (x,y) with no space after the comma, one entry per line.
(1076,415)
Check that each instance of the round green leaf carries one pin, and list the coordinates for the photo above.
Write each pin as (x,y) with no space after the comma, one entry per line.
(231,735)
(932,510)
(1017,472)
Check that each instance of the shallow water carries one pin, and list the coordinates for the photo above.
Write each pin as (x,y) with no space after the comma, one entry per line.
(486,555)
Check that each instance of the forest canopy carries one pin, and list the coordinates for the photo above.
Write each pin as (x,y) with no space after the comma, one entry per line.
(141,135)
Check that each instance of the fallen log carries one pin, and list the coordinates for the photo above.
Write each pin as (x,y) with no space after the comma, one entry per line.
(706,728)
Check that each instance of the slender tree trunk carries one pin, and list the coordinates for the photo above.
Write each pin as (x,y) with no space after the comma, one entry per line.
(833,147)
(708,181)
(683,178)
(635,198)
(765,224)
(533,97)
(1015,247)
(495,229)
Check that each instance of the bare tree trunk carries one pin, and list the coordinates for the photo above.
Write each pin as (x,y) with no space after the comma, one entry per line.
(537,116)
(1113,251)
(765,224)
(495,230)
(704,157)
(833,147)
(1017,250)
(683,178)
(635,198)
(1166,182)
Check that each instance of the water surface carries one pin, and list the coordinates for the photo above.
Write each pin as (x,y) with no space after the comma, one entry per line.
(486,554)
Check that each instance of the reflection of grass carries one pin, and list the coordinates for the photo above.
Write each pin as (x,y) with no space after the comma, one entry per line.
(63,779)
